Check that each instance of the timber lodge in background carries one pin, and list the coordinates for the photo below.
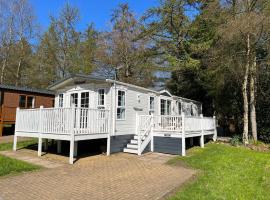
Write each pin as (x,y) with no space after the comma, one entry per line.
(12,97)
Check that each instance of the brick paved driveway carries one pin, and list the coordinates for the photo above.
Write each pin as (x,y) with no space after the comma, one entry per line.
(120,176)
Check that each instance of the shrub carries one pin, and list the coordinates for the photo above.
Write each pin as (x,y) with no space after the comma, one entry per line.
(236,140)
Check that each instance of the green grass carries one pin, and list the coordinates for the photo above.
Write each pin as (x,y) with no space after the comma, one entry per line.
(10,166)
(226,172)
(22,144)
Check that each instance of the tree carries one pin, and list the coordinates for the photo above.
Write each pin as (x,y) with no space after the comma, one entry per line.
(17,32)
(122,49)
(64,50)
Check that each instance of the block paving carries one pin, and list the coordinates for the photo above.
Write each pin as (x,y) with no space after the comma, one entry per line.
(119,176)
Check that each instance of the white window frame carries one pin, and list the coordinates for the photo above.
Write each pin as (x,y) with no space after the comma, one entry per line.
(121,107)
(179,107)
(99,106)
(151,110)
(80,99)
(61,100)
(166,106)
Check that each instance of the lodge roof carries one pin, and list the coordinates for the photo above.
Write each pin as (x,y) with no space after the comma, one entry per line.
(26,89)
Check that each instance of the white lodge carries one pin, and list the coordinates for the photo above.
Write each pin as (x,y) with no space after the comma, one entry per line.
(132,118)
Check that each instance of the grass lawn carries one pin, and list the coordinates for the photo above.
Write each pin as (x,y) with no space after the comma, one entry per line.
(13,166)
(226,172)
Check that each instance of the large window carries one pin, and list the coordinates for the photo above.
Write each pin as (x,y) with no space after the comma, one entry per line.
(165,107)
(121,109)
(60,100)
(74,99)
(101,99)
(85,99)
(26,101)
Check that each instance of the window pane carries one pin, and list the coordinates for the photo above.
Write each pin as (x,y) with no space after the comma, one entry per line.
(74,99)
(121,98)
(162,107)
(30,102)
(85,99)
(101,97)
(61,100)
(168,107)
(22,100)
(152,103)
(120,113)
(179,108)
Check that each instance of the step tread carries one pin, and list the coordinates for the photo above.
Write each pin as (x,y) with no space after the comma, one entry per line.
(132,146)
(127,150)
(133,141)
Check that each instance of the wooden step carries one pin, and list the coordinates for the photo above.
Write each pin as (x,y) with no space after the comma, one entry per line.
(132,146)
(133,141)
(133,151)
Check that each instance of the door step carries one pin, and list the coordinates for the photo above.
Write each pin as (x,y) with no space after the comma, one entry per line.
(133,151)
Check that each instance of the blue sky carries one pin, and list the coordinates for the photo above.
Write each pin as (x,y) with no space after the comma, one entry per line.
(97,11)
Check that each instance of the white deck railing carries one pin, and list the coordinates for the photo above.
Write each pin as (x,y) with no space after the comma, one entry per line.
(62,121)
(167,123)
(171,123)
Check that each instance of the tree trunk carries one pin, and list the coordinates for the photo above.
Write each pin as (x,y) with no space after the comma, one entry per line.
(252,88)
(244,93)
(18,72)
(3,68)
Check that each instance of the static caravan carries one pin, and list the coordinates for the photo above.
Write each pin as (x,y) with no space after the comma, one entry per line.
(134,119)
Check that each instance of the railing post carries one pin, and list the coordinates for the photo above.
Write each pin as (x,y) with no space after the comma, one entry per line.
(109,133)
(15,134)
(71,146)
(215,129)
(39,131)
(183,139)
(202,131)
(152,132)
(138,131)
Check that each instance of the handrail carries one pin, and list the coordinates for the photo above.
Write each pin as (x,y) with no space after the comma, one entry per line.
(143,139)
(63,121)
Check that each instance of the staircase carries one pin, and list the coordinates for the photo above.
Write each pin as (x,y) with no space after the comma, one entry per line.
(143,137)
(132,146)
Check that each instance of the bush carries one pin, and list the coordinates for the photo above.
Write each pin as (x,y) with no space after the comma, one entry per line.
(264,135)
(236,140)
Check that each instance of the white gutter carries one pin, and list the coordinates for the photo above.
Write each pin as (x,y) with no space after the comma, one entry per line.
(132,86)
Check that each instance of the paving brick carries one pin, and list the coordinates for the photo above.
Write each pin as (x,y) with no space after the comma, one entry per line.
(120,176)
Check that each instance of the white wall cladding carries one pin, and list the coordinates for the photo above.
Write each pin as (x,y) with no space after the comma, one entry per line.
(136,101)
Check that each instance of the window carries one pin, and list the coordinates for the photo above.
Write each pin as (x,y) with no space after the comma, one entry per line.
(101,99)
(121,110)
(179,108)
(85,99)
(169,106)
(30,102)
(151,105)
(74,99)
(61,100)
(26,101)
(22,101)
(165,107)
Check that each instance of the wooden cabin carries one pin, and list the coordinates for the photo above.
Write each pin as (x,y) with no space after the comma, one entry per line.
(12,97)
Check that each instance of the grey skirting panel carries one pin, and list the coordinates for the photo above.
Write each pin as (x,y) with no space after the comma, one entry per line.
(118,143)
(168,145)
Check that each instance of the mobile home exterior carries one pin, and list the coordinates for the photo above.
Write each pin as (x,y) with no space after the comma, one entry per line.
(134,119)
